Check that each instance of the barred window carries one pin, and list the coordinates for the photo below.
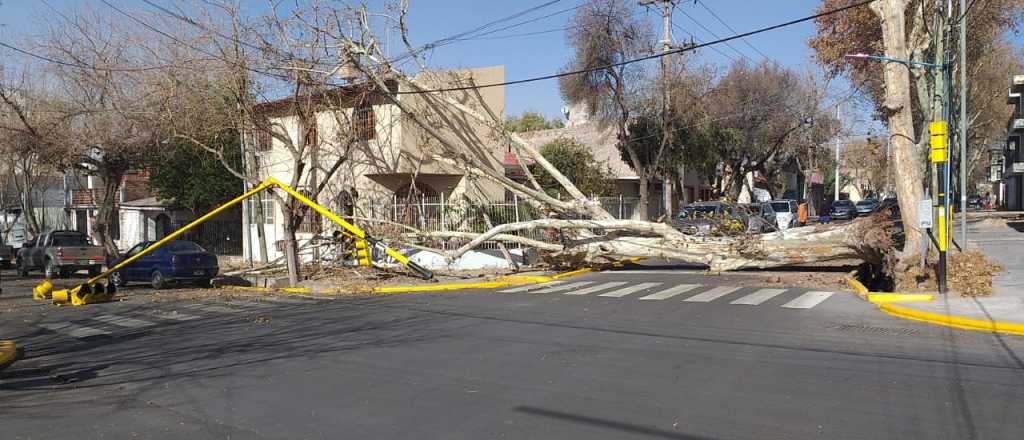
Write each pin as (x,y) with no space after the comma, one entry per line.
(365,122)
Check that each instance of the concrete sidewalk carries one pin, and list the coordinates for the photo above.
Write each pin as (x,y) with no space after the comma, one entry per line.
(1002,241)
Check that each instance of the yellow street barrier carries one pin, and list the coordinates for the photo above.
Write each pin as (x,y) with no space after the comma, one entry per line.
(93,291)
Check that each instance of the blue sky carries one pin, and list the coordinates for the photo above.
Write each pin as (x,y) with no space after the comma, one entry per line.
(528,56)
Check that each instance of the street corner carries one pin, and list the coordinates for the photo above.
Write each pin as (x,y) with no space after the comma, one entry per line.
(990,315)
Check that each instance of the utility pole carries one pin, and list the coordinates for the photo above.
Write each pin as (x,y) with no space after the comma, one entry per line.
(666,46)
(963,121)
(836,181)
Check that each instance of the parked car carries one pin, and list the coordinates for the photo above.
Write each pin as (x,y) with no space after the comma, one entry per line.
(843,210)
(770,211)
(6,256)
(174,262)
(61,253)
(866,206)
(974,202)
(717,218)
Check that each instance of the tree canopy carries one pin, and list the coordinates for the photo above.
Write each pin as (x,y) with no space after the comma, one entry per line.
(578,164)
(531,121)
(194,178)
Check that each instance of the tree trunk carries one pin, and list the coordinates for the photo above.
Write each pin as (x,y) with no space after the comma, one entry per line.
(105,211)
(641,209)
(666,188)
(291,248)
(906,161)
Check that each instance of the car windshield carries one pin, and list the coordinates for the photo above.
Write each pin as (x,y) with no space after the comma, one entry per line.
(842,204)
(183,246)
(865,203)
(69,240)
(780,206)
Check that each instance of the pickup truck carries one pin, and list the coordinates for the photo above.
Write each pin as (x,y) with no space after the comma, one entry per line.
(6,256)
(61,253)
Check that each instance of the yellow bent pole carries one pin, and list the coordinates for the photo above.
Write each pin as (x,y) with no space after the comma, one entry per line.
(354,230)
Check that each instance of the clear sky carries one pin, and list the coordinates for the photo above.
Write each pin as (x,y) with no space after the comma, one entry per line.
(530,55)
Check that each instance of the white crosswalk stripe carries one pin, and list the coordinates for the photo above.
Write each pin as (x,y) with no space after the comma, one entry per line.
(74,330)
(712,294)
(670,292)
(628,290)
(531,287)
(596,288)
(123,321)
(759,297)
(564,287)
(807,300)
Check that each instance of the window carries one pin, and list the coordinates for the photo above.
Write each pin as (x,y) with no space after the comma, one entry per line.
(365,122)
(183,246)
(268,211)
(69,240)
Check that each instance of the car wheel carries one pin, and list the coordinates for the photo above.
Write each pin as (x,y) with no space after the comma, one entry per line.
(117,279)
(22,267)
(158,281)
(205,282)
(50,270)
(95,270)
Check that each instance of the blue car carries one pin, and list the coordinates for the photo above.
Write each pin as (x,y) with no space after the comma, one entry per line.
(176,261)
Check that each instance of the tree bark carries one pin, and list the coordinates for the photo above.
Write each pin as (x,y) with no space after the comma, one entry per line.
(641,210)
(291,248)
(898,108)
(105,211)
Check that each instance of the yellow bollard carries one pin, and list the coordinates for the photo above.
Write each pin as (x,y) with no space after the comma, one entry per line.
(62,296)
(42,291)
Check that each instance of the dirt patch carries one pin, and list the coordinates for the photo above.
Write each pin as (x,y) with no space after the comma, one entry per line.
(835,280)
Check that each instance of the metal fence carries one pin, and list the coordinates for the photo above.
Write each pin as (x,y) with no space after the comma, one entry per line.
(221,237)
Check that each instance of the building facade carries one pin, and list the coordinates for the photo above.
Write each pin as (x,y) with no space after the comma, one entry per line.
(1012,183)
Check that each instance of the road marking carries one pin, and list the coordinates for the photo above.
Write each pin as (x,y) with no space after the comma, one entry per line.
(807,300)
(628,290)
(212,308)
(596,288)
(759,297)
(74,330)
(123,321)
(531,286)
(564,287)
(172,315)
(670,292)
(712,294)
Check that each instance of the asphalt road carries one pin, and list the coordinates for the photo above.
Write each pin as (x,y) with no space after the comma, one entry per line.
(477,365)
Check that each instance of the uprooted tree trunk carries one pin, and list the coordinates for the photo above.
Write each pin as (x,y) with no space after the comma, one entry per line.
(466,132)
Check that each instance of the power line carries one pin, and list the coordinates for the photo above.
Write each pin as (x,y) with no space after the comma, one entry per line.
(714,35)
(79,65)
(734,31)
(697,40)
(648,57)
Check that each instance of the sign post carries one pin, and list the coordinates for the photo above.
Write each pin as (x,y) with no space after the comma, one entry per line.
(940,157)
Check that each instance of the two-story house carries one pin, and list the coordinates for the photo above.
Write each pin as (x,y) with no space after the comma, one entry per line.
(392,158)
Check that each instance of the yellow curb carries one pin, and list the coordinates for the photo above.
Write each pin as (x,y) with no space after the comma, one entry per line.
(953,321)
(886,297)
(879,298)
(8,353)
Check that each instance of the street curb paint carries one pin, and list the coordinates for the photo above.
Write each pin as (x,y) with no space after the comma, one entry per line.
(506,281)
(8,353)
(953,321)
(886,297)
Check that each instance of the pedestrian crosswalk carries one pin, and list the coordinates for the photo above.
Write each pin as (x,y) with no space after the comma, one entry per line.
(112,324)
(690,293)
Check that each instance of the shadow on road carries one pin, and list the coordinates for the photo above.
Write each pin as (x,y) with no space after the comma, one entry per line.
(605,423)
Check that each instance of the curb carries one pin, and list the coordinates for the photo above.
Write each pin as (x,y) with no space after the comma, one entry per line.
(886,297)
(953,321)
(506,281)
(8,353)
